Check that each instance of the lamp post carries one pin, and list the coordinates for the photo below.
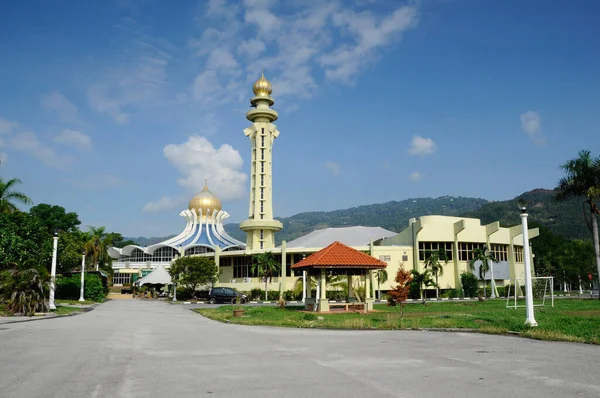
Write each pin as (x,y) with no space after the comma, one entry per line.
(175,258)
(82,277)
(53,271)
(493,284)
(530,321)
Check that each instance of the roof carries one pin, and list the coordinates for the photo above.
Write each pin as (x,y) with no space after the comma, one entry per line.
(158,276)
(351,236)
(338,255)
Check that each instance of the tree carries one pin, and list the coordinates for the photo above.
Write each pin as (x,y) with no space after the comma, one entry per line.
(382,276)
(399,293)
(432,262)
(70,247)
(23,240)
(96,247)
(8,196)
(484,257)
(55,217)
(192,272)
(583,179)
(265,265)
(423,280)
(115,239)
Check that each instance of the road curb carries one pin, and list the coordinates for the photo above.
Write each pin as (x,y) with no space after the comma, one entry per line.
(43,317)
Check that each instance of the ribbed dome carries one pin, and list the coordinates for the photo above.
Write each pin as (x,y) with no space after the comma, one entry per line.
(205,201)
(262,87)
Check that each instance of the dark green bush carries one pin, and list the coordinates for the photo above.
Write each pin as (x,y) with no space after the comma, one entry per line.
(470,284)
(257,294)
(452,293)
(68,287)
(288,295)
(414,291)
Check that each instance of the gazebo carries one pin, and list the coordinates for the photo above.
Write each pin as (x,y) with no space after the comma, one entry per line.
(338,259)
(159,276)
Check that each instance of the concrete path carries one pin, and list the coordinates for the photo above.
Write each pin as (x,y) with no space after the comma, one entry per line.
(136,348)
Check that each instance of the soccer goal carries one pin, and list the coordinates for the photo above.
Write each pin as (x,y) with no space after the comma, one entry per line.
(542,287)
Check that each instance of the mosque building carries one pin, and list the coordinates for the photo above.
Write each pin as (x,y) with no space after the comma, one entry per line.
(204,233)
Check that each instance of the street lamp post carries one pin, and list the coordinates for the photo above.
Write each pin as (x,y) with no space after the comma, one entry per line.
(530,321)
(51,304)
(82,277)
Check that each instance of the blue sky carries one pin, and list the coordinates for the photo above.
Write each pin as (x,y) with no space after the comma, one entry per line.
(118,110)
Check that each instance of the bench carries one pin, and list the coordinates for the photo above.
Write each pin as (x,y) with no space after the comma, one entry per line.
(347,307)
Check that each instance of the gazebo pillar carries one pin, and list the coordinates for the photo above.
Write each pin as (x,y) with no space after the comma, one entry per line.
(351,298)
(323,301)
(309,301)
(368,299)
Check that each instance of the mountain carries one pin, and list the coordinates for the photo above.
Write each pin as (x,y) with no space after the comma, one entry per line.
(140,240)
(393,216)
(562,218)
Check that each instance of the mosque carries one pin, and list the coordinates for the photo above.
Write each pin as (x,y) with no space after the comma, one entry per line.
(204,233)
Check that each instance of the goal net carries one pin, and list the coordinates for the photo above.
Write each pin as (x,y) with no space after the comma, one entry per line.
(542,287)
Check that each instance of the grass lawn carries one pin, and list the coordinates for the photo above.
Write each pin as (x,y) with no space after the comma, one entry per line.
(67,302)
(570,319)
(65,310)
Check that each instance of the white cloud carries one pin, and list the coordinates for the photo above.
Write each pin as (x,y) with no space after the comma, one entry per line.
(295,44)
(197,159)
(75,139)
(415,176)
(421,146)
(65,109)
(136,80)
(28,142)
(7,126)
(531,123)
(334,167)
(251,48)
(164,203)
(370,33)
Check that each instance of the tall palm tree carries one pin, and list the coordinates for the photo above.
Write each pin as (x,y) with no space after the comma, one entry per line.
(265,265)
(423,280)
(583,179)
(382,277)
(7,196)
(96,246)
(432,262)
(485,258)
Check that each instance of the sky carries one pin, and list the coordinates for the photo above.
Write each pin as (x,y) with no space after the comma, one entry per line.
(119,109)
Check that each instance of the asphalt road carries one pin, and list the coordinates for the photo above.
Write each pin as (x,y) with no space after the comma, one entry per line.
(135,348)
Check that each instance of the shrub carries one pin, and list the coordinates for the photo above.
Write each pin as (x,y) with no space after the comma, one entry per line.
(257,294)
(288,295)
(453,293)
(25,291)
(338,295)
(470,284)
(68,287)
(502,291)
(414,292)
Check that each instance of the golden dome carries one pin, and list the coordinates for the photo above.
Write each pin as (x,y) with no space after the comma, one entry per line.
(205,201)
(262,87)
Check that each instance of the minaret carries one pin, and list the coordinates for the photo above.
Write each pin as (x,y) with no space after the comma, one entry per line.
(260,227)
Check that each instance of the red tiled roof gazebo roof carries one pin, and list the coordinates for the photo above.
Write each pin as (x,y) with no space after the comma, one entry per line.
(338,255)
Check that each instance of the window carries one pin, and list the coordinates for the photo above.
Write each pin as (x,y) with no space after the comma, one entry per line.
(434,246)
(242,267)
(121,279)
(262,167)
(518,254)
(262,140)
(261,244)
(404,257)
(262,236)
(385,258)
(262,193)
(500,252)
(262,207)
(262,179)
(198,250)
(465,250)
(262,154)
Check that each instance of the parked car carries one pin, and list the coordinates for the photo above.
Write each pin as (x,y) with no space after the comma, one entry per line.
(225,295)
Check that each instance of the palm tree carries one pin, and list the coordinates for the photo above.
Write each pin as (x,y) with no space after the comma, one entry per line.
(7,196)
(423,280)
(485,258)
(432,262)
(583,179)
(382,277)
(264,265)
(96,246)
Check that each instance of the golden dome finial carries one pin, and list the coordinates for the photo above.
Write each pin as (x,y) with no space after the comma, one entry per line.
(206,201)
(262,87)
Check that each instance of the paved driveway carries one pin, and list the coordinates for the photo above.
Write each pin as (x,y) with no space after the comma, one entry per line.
(140,348)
